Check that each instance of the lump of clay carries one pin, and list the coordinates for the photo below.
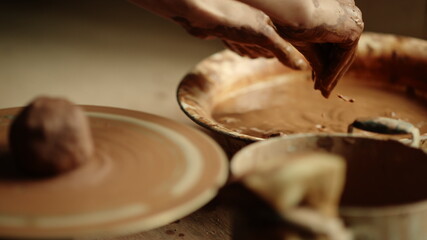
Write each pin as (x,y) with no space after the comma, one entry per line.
(50,136)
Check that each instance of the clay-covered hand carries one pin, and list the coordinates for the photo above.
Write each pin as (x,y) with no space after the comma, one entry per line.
(244,29)
(326,32)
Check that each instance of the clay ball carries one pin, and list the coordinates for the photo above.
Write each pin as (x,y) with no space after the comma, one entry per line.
(50,136)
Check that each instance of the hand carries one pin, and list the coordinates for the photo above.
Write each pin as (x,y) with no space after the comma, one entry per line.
(243,29)
(326,32)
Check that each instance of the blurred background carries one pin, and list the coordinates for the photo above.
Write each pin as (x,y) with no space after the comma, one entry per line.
(110,52)
(407,17)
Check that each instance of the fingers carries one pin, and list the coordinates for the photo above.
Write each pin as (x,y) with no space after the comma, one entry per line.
(330,48)
(262,40)
(288,55)
(329,62)
(276,45)
(243,28)
(253,51)
(282,49)
(246,31)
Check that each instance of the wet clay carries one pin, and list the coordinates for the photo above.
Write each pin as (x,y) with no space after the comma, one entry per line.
(326,32)
(286,105)
(50,136)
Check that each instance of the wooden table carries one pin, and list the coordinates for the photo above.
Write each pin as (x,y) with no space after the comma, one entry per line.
(234,214)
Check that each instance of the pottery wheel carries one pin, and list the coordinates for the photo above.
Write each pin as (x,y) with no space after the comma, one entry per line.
(148,171)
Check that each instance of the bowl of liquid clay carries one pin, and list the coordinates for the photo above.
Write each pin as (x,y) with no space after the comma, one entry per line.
(245,100)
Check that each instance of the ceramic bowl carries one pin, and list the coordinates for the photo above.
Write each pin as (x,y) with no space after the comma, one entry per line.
(382,197)
(393,65)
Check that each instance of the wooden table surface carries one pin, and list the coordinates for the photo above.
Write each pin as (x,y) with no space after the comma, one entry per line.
(235,214)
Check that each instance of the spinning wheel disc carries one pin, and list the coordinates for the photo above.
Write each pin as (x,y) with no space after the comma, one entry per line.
(147,171)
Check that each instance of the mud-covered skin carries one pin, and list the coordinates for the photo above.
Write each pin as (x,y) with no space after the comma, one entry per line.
(50,136)
(326,32)
(328,45)
(244,29)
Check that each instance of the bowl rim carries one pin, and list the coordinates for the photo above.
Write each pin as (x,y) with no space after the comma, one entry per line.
(201,71)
